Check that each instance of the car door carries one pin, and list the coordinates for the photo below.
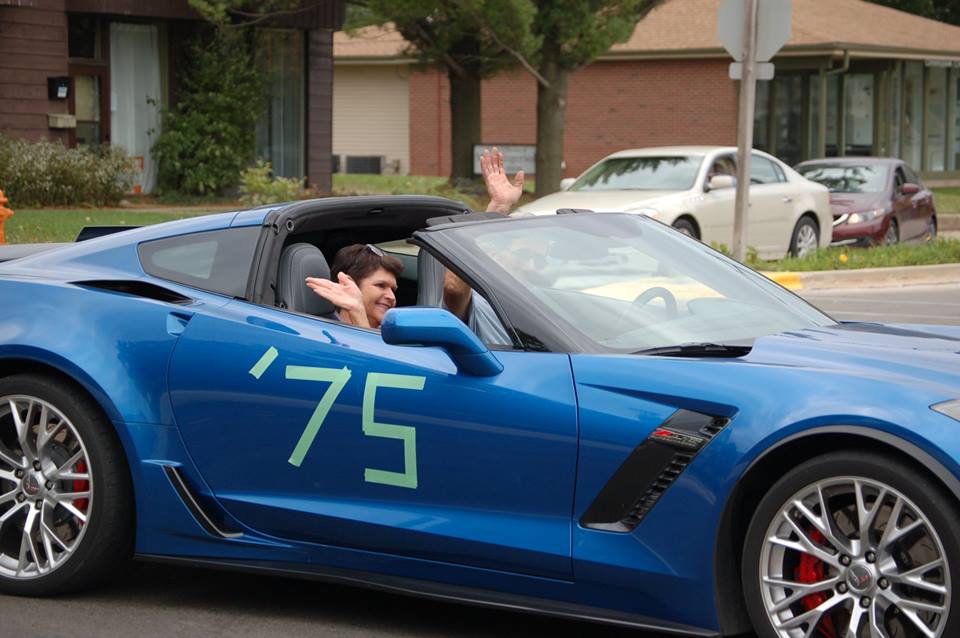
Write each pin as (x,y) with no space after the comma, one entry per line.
(714,212)
(314,431)
(771,216)
(903,206)
(921,204)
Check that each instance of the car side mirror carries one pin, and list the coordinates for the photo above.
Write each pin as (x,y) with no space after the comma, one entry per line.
(437,327)
(567,182)
(721,181)
(909,189)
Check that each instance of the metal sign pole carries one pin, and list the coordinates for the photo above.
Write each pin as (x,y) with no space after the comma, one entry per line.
(748,95)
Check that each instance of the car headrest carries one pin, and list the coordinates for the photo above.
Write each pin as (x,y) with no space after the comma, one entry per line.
(298,262)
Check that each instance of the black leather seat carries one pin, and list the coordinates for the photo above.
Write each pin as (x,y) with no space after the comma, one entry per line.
(298,262)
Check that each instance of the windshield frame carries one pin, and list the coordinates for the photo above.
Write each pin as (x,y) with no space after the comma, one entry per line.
(536,325)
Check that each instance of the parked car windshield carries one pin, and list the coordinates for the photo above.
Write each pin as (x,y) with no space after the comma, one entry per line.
(628,283)
(641,173)
(859,178)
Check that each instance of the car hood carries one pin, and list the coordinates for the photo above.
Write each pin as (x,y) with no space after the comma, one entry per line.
(606,201)
(841,203)
(910,354)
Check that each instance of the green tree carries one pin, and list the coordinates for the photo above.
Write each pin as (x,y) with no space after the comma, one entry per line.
(572,33)
(470,40)
(942,10)
(209,136)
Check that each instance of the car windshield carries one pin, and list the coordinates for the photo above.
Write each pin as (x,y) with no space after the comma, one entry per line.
(640,173)
(859,178)
(628,284)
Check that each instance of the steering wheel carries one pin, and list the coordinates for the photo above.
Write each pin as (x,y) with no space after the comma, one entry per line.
(645,297)
(657,292)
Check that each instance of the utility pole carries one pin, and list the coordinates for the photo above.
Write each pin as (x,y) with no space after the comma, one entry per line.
(748,97)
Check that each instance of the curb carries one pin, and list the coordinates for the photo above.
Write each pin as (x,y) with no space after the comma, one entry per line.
(867,277)
(948,221)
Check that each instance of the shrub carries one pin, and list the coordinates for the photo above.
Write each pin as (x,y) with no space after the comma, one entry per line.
(210,135)
(47,173)
(258,186)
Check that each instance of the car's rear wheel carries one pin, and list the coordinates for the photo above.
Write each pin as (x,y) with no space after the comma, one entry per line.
(66,509)
(853,544)
(805,239)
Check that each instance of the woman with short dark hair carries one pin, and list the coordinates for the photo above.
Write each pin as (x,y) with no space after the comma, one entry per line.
(365,286)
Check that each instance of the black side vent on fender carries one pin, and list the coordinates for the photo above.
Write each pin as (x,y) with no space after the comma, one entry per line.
(137,288)
(650,470)
(205,513)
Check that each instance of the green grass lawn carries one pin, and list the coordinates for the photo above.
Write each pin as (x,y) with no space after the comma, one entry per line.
(53,225)
(941,251)
(62,225)
(947,199)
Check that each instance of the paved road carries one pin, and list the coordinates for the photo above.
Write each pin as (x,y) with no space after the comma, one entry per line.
(911,304)
(172,602)
(159,601)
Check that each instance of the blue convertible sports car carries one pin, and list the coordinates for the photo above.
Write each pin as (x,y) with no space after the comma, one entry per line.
(654,435)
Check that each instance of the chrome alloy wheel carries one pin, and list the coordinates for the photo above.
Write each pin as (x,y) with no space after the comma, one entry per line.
(806,240)
(46,487)
(853,557)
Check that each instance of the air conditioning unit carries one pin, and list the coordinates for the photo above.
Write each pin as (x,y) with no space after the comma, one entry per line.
(370,164)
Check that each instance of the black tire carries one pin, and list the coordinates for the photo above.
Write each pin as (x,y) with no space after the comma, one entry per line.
(105,545)
(777,516)
(686,227)
(798,246)
(892,236)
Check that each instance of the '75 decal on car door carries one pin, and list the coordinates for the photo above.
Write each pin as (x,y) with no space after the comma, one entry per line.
(337,378)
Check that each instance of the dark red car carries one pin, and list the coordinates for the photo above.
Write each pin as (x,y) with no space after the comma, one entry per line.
(875,200)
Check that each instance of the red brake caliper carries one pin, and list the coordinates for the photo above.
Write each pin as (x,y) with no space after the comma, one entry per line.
(81,485)
(812,570)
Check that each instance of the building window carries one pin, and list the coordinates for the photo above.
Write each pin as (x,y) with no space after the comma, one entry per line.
(87,106)
(858,114)
(788,114)
(955,155)
(833,98)
(912,130)
(280,54)
(761,117)
(83,36)
(936,91)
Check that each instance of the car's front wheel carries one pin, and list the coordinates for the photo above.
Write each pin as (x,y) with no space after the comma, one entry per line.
(66,509)
(686,227)
(853,544)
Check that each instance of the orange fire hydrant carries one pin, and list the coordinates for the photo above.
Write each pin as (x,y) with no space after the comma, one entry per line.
(5,214)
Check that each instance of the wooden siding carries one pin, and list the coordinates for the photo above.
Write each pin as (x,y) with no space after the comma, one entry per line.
(328,14)
(33,47)
(135,8)
(319,134)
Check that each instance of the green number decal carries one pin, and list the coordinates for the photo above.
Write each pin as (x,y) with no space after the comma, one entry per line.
(405,433)
(261,366)
(337,378)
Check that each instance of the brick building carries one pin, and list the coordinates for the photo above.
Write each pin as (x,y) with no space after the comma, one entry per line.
(855,78)
(82,71)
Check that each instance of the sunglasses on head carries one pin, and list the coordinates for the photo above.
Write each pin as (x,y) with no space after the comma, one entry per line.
(375,250)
